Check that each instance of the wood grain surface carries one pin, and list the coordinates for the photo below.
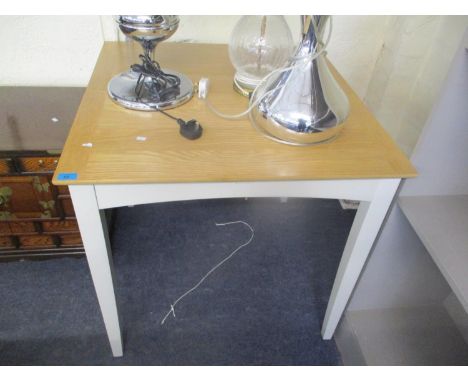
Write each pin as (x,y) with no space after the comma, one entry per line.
(227,151)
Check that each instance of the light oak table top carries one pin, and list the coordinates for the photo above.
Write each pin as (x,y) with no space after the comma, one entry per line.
(227,151)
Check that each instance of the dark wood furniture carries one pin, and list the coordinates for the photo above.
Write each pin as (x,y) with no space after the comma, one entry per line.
(37,219)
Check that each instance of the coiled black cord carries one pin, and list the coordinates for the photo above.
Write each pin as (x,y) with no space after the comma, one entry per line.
(153,84)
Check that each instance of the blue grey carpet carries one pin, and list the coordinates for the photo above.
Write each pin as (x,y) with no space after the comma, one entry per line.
(264,306)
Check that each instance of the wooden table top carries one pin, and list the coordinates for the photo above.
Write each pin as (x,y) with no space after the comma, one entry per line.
(227,151)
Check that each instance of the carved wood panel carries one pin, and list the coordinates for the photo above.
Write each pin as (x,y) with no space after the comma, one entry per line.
(26,197)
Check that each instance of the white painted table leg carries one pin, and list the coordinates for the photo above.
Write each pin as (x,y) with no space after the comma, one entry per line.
(93,228)
(364,230)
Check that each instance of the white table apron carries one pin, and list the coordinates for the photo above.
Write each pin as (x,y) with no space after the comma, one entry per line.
(89,201)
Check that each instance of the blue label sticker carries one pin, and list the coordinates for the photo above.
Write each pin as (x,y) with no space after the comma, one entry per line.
(67,176)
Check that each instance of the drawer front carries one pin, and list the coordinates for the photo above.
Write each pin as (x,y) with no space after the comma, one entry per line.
(7,242)
(67,206)
(5,167)
(22,227)
(60,226)
(4,228)
(38,164)
(71,240)
(24,197)
(36,241)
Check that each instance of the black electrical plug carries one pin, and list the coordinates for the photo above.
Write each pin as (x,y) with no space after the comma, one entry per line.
(191,130)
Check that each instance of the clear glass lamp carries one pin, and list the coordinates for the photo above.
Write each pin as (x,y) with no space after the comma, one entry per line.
(258,45)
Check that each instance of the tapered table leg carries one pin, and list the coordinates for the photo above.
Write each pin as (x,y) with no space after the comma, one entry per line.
(94,233)
(366,226)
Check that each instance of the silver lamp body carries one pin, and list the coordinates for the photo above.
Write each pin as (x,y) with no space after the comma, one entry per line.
(304,104)
(132,90)
(148,29)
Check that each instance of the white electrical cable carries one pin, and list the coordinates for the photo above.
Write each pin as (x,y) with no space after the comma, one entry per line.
(252,104)
(203,85)
(212,269)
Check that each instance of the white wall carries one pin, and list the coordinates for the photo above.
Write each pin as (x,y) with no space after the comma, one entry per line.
(410,70)
(48,50)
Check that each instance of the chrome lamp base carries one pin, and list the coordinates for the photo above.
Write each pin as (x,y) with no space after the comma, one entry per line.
(121,89)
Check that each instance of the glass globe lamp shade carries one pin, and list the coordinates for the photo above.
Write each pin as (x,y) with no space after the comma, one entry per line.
(258,45)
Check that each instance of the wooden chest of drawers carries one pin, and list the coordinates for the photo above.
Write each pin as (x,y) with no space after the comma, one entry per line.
(36,218)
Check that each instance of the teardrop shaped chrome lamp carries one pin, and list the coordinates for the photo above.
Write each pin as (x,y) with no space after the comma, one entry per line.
(146,86)
(305,104)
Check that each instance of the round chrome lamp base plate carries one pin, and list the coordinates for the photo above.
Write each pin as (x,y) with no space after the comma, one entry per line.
(121,89)
(280,134)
